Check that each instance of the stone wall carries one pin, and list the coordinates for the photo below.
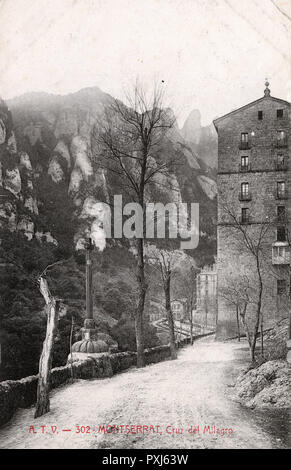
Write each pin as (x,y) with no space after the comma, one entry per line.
(22,393)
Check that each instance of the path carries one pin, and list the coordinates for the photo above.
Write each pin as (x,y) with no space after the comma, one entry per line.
(193,390)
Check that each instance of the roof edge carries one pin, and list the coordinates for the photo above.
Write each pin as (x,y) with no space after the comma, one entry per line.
(247,105)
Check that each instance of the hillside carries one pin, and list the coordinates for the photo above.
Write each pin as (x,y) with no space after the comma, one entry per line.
(48,174)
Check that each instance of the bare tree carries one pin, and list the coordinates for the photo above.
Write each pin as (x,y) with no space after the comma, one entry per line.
(166,261)
(254,242)
(53,309)
(191,282)
(45,362)
(186,283)
(128,144)
(237,293)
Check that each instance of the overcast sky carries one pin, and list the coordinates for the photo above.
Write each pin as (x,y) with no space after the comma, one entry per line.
(213,55)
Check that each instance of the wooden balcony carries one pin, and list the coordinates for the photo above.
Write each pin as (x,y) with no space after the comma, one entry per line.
(281,253)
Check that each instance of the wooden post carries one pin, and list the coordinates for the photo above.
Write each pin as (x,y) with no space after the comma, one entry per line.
(45,363)
(71,343)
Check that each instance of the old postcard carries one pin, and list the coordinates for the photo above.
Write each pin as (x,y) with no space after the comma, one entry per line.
(145,219)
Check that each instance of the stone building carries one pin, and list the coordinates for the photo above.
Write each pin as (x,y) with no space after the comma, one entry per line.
(154,310)
(179,309)
(205,313)
(253,180)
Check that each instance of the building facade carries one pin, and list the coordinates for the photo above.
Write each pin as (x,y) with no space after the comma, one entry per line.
(179,309)
(253,181)
(205,313)
(154,310)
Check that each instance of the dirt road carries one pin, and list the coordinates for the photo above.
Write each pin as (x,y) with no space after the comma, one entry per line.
(170,396)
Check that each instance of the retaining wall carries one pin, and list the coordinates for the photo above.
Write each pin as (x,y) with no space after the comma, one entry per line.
(22,393)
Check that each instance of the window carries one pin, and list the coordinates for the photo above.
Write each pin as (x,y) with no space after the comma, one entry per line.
(244,215)
(280,162)
(244,192)
(280,159)
(281,138)
(281,213)
(279,251)
(281,286)
(245,189)
(279,113)
(244,162)
(260,115)
(281,234)
(281,189)
(244,140)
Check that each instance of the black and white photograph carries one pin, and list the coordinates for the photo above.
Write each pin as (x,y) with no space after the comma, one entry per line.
(145,227)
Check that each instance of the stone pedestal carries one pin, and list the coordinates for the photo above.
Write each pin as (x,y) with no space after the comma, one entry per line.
(90,345)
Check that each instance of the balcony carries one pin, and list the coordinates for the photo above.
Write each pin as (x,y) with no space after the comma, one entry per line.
(281,194)
(281,166)
(245,168)
(244,145)
(245,196)
(280,253)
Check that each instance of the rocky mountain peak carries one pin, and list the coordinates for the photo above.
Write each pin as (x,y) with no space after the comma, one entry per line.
(191,130)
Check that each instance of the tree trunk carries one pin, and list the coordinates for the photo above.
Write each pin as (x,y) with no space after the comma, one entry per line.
(191,327)
(248,335)
(262,335)
(237,321)
(71,343)
(142,288)
(253,348)
(259,306)
(167,287)
(52,306)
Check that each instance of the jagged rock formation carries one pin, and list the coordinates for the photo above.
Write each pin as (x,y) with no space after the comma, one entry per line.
(201,139)
(50,182)
(49,150)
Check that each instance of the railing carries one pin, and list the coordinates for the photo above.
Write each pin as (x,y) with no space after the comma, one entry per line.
(281,166)
(245,196)
(283,258)
(281,194)
(244,168)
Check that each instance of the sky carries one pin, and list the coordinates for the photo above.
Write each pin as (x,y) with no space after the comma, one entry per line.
(212,55)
